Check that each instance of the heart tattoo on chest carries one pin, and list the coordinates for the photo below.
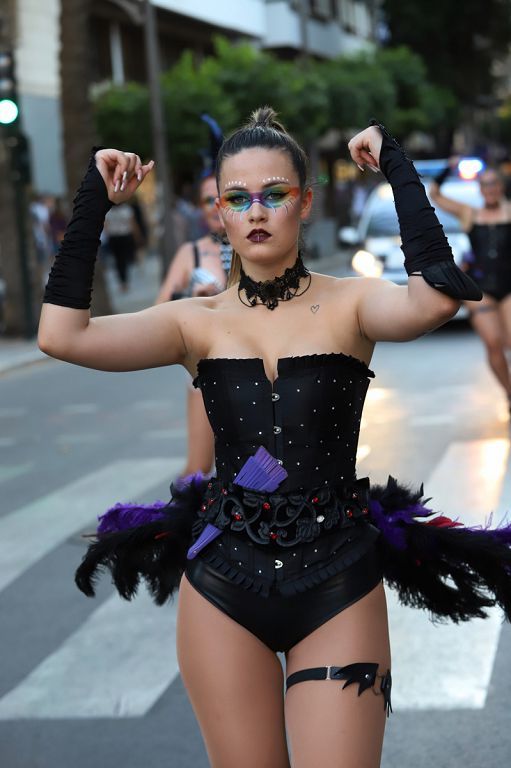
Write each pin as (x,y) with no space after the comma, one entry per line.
(314,308)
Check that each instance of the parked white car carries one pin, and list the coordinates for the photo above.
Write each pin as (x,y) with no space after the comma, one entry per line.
(376,239)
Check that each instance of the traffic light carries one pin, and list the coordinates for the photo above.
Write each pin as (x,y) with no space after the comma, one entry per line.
(8,95)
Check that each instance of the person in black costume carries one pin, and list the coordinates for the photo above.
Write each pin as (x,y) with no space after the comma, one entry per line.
(282,363)
(209,259)
(489,264)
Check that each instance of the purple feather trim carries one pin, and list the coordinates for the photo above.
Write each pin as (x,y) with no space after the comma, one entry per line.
(390,523)
(120,517)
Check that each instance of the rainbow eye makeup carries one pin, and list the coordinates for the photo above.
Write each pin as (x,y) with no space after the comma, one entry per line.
(278,196)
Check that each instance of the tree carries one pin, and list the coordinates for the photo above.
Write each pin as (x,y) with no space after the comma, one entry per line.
(310,97)
(77,115)
(459,43)
(18,267)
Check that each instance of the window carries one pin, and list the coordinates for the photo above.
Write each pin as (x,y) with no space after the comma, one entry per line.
(322,9)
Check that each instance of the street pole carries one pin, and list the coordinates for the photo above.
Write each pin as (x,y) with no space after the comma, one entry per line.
(164,187)
(303,7)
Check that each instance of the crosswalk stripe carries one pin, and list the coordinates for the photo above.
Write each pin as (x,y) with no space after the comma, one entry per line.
(120,661)
(10,472)
(29,533)
(117,664)
(448,666)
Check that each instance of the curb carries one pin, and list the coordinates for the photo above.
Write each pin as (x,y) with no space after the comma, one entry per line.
(11,360)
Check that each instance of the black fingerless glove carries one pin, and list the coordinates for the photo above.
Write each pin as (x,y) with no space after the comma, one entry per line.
(424,244)
(71,276)
(441,177)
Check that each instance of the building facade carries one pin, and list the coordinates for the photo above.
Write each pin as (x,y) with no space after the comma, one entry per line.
(319,28)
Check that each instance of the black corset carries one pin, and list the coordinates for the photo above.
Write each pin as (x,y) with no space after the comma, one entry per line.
(309,419)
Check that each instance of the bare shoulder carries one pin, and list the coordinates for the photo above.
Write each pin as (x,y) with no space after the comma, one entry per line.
(351,288)
(200,319)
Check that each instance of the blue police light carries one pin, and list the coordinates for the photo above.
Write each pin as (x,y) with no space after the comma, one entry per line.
(470,167)
(8,111)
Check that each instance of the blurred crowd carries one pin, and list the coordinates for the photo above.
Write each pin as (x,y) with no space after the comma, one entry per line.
(131,230)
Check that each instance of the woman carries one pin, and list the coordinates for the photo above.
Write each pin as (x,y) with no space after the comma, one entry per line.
(489,231)
(282,365)
(199,269)
(123,234)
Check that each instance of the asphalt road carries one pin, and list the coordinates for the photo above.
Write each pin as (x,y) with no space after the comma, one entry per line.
(95,682)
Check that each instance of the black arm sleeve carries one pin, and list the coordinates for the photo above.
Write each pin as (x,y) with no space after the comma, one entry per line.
(424,244)
(441,177)
(70,280)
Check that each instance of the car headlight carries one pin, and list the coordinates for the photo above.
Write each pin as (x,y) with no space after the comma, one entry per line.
(366,264)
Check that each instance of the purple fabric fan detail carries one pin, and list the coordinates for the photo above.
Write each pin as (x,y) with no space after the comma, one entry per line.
(120,517)
(261,472)
(208,535)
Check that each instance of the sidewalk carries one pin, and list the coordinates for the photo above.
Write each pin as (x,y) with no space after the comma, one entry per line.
(145,281)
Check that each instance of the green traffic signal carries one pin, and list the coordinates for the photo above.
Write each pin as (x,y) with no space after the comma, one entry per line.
(8,97)
(8,111)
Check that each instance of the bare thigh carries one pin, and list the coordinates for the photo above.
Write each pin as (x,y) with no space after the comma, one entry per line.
(505,318)
(235,684)
(486,321)
(328,726)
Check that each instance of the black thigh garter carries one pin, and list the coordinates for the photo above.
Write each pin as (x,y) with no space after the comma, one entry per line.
(363,673)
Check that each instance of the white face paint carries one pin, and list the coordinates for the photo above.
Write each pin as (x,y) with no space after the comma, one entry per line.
(234,184)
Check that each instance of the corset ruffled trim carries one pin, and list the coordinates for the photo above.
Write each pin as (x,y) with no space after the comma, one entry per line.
(284,364)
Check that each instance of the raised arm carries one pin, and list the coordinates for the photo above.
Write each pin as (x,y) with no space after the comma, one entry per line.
(178,274)
(386,311)
(66,330)
(462,211)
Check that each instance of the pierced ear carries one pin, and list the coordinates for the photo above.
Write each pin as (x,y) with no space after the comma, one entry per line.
(307,198)
(219,209)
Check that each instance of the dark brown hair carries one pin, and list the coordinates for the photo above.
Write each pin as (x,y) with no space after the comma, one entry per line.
(262,129)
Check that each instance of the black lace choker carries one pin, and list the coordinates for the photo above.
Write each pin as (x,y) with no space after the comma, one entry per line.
(270,292)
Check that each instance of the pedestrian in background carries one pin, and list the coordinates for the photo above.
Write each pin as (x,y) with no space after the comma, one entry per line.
(489,263)
(122,231)
(198,269)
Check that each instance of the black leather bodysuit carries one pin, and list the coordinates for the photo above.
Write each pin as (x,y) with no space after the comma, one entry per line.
(490,265)
(288,561)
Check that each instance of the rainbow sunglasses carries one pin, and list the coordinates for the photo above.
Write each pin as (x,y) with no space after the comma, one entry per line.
(239,201)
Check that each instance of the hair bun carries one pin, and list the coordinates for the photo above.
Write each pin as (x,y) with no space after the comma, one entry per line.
(265,117)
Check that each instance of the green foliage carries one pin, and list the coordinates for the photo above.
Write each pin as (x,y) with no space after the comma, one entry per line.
(310,96)
(188,91)
(123,120)
(357,90)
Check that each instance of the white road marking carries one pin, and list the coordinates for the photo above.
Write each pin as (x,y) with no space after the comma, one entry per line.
(151,405)
(117,664)
(12,412)
(31,532)
(77,409)
(363,452)
(449,666)
(165,434)
(8,472)
(433,420)
(77,438)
